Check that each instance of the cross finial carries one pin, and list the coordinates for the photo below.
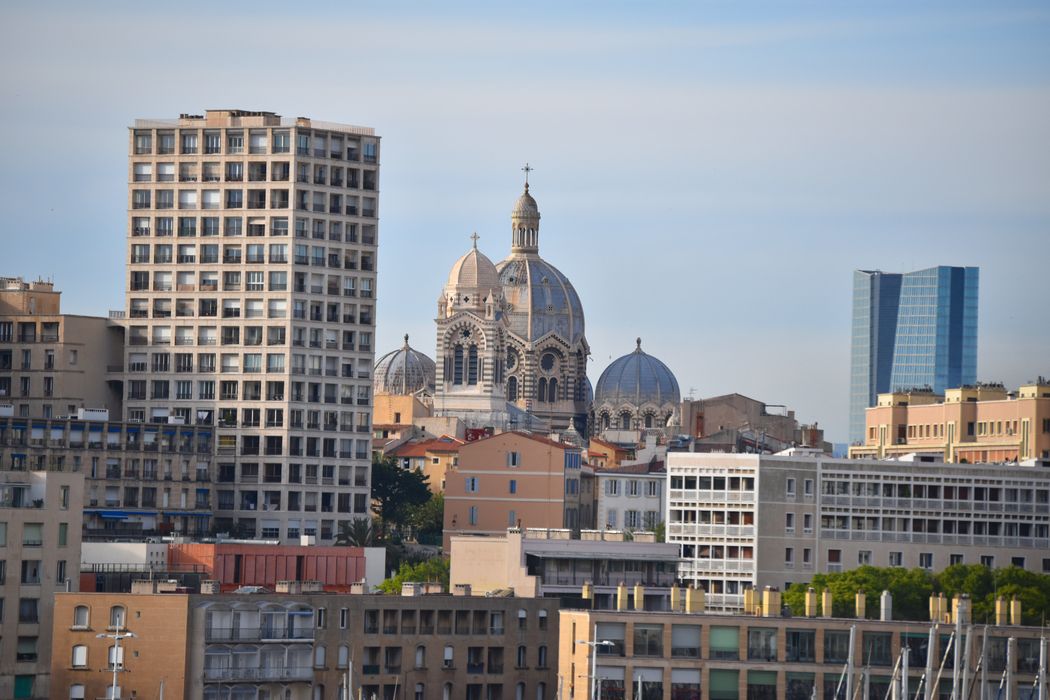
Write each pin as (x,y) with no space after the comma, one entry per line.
(527,169)
(474,237)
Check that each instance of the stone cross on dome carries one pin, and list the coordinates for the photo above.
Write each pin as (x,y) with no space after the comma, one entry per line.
(527,169)
(474,237)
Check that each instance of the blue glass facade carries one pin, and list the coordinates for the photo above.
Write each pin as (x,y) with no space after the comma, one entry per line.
(915,329)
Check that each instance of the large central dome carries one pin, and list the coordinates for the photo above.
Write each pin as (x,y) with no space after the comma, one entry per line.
(540,299)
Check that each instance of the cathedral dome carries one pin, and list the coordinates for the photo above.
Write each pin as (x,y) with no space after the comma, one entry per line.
(636,379)
(540,300)
(473,271)
(403,371)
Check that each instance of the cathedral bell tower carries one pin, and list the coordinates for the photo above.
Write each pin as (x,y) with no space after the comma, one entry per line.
(525,221)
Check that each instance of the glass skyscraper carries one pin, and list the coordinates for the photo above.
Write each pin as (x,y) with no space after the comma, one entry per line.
(911,330)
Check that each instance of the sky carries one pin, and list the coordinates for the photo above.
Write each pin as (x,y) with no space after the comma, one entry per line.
(709,174)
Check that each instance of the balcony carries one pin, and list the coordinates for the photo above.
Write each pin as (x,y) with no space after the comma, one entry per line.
(279,673)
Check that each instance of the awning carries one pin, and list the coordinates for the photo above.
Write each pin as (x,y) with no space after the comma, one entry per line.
(132,429)
(191,513)
(112,515)
(170,432)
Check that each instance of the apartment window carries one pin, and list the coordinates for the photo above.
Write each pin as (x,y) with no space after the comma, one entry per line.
(896,558)
(189,142)
(512,486)
(807,487)
(790,487)
(612,487)
(471,486)
(473,515)
(926,560)
(117,616)
(864,557)
(652,488)
(988,560)
(80,616)
(63,530)
(32,535)
(807,523)
(954,559)
(513,459)
(789,556)
(789,522)
(79,656)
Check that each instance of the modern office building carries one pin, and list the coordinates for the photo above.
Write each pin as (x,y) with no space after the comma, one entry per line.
(307,646)
(52,364)
(39,556)
(982,423)
(746,520)
(251,285)
(911,330)
(140,479)
(679,655)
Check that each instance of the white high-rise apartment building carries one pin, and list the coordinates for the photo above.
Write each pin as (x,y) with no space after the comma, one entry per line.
(251,307)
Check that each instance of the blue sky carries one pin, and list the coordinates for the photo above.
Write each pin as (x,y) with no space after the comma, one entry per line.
(709,174)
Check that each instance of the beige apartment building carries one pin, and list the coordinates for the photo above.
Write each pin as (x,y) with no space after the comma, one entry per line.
(307,646)
(514,479)
(140,479)
(40,515)
(250,307)
(52,364)
(680,655)
(982,423)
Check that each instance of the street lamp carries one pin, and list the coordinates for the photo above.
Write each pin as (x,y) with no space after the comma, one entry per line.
(596,686)
(117,658)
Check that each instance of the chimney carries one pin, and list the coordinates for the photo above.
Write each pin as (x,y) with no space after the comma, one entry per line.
(961,609)
(621,597)
(770,602)
(1015,611)
(676,598)
(1000,611)
(749,600)
(461,589)
(860,604)
(588,591)
(358,588)
(944,605)
(826,603)
(811,602)
(210,587)
(639,596)
(694,600)
(886,606)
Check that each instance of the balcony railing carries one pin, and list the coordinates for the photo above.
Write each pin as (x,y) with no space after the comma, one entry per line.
(276,673)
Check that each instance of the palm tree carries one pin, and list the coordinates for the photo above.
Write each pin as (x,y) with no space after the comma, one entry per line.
(356,533)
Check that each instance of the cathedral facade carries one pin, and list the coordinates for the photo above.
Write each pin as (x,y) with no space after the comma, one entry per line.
(511,350)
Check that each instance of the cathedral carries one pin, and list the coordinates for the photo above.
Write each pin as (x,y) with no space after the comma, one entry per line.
(511,349)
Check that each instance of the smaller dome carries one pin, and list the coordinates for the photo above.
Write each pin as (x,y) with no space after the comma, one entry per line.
(403,371)
(473,271)
(636,379)
(526,206)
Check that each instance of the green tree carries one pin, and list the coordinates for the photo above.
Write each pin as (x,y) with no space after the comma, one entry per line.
(396,490)
(434,570)
(428,519)
(358,532)
(661,532)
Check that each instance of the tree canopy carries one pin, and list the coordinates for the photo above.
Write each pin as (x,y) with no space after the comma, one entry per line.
(435,570)
(911,590)
(395,491)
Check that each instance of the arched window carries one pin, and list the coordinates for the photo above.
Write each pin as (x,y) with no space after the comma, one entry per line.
(522,658)
(420,695)
(648,420)
(541,656)
(605,421)
(344,656)
(472,365)
(118,616)
(625,421)
(446,692)
(552,391)
(512,389)
(112,691)
(541,390)
(79,656)
(81,616)
(116,657)
(421,656)
(519,691)
(319,692)
(541,691)
(457,365)
(319,656)
(76,691)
